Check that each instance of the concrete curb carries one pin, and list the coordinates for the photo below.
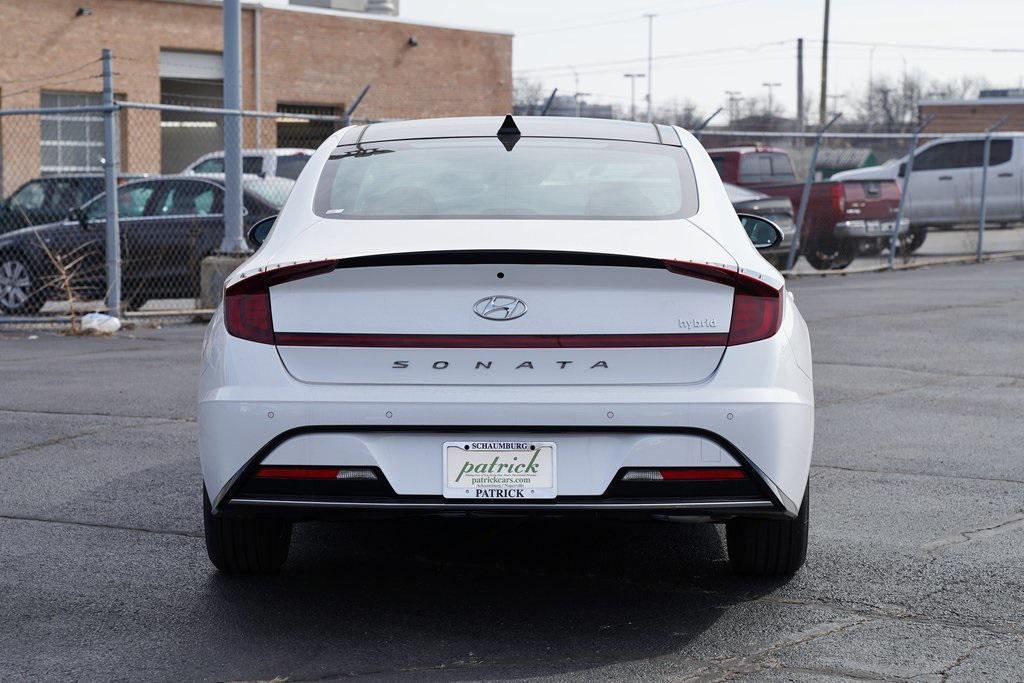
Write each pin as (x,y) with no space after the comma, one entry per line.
(924,263)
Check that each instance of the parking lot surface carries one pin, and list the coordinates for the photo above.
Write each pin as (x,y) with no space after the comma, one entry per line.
(914,567)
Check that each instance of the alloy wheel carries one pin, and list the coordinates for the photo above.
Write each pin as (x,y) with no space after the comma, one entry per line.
(15,284)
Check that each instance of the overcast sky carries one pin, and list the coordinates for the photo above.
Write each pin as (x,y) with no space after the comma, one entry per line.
(704,47)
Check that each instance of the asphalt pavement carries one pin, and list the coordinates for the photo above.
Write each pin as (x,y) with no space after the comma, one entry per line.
(914,567)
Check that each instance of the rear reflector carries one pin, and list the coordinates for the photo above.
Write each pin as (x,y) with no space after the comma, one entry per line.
(315,472)
(685,474)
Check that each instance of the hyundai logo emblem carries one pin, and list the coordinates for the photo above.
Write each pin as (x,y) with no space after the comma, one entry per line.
(500,307)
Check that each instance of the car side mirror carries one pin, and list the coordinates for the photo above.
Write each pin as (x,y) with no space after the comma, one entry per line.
(76,214)
(762,232)
(903,170)
(259,230)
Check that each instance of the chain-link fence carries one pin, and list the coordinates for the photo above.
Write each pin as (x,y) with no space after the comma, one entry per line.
(854,185)
(849,190)
(54,231)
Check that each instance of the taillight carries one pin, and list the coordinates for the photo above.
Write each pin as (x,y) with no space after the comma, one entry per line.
(838,198)
(247,313)
(756,305)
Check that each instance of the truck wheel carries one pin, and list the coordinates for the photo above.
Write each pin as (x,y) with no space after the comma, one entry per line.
(913,240)
(830,254)
(20,292)
(240,545)
(769,547)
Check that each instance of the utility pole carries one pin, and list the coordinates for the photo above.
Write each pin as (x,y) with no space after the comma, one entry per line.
(800,85)
(632,94)
(823,104)
(734,109)
(576,89)
(650,57)
(871,87)
(770,87)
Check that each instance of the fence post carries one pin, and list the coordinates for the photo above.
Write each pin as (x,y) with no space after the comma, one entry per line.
(905,190)
(698,131)
(806,194)
(111,163)
(346,119)
(234,239)
(985,158)
(550,101)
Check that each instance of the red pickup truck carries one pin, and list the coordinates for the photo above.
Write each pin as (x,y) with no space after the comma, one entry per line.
(843,216)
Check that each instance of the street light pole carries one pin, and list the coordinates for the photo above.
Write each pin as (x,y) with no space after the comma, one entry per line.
(650,57)
(770,87)
(734,110)
(632,94)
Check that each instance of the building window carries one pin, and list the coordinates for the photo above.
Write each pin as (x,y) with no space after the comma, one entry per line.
(71,143)
(303,133)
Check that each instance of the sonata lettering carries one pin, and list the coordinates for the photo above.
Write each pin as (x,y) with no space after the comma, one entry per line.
(489,364)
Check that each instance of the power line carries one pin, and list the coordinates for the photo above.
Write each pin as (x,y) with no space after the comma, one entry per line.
(677,55)
(623,17)
(40,79)
(918,46)
(50,85)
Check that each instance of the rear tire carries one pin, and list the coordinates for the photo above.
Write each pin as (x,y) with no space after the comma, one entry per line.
(912,241)
(769,547)
(240,545)
(830,253)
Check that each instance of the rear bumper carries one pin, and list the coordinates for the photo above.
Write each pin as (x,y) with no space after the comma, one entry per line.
(857,229)
(705,510)
(759,415)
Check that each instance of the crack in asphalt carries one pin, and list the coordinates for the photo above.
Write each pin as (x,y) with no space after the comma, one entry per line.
(956,375)
(882,394)
(977,305)
(972,649)
(99,525)
(746,665)
(89,432)
(958,477)
(940,545)
(37,411)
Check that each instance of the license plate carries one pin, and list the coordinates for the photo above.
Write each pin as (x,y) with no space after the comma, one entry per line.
(499,470)
(880,227)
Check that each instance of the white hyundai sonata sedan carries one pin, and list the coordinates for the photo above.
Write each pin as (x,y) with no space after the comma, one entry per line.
(538,316)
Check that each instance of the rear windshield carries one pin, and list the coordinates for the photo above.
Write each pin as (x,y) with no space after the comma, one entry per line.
(478,178)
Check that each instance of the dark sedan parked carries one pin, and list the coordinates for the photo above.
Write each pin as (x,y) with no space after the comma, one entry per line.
(168,225)
(43,200)
(779,210)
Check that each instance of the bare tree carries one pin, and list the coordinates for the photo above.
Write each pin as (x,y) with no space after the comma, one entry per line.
(528,96)
(682,113)
(889,104)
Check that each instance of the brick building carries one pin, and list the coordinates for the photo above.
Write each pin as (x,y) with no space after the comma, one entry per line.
(973,116)
(294,59)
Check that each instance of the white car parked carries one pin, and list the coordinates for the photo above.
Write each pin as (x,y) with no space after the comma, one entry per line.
(284,162)
(945,184)
(547,316)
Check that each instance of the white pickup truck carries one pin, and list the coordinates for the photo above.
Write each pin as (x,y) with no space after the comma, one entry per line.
(945,184)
